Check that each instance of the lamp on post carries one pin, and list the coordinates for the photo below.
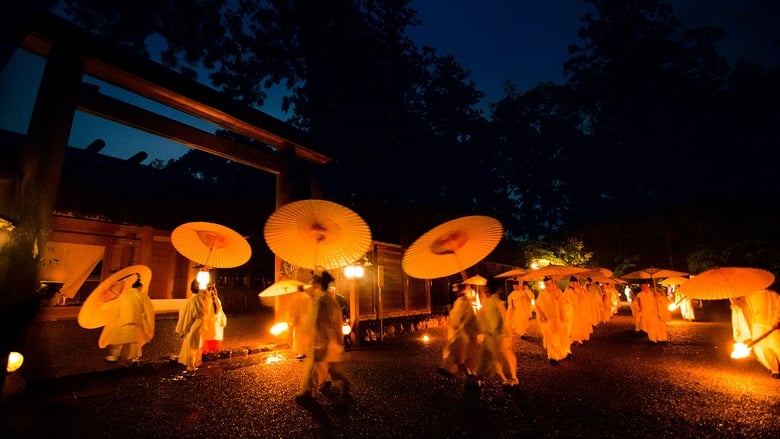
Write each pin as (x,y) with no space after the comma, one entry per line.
(354,272)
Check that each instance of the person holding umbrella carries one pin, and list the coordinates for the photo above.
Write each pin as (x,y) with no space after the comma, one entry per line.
(189,328)
(132,325)
(495,355)
(461,348)
(325,360)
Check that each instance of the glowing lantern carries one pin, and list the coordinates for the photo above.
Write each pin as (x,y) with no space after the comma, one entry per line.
(15,360)
(741,350)
(203,279)
(346,328)
(279,328)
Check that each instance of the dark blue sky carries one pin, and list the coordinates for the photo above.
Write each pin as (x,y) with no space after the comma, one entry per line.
(496,40)
(527,40)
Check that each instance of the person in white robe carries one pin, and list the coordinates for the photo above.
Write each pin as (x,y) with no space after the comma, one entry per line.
(461,348)
(188,328)
(131,327)
(653,308)
(554,311)
(495,355)
(581,323)
(753,316)
(519,308)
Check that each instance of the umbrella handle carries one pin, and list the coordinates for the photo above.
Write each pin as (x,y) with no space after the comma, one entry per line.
(460,266)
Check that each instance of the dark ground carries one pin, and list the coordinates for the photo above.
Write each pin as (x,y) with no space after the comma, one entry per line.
(618,385)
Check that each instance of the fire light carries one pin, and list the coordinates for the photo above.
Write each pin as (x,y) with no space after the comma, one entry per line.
(346,328)
(672,306)
(426,338)
(741,350)
(279,328)
(203,279)
(15,360)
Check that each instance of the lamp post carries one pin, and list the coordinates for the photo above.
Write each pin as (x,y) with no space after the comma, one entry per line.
(353,273)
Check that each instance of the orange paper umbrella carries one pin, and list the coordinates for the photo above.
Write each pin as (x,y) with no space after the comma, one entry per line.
(554,271)
(475,280)
(652,273)
(517,272)
(674,280)
(92,313)
(283,287)
(317,233)
(727,282)
(210,244)
(452,247)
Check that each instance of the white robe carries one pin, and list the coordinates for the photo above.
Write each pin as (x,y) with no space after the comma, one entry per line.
(753,316)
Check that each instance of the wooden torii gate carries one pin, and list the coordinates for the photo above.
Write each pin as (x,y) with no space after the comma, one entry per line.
(28,188)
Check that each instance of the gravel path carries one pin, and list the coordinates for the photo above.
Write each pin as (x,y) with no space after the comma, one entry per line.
(618,385)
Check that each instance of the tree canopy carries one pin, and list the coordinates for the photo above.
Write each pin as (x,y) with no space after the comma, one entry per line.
(652,133)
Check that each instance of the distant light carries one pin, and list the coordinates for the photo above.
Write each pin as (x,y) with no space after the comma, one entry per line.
(426,338)
(15,360)
(279,328)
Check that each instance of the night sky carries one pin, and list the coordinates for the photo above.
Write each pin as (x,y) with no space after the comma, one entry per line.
(496,40)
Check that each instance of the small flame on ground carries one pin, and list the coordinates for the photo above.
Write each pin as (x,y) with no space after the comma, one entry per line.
(740,351)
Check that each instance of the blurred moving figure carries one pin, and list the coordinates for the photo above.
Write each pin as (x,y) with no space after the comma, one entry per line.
(459,355)
(324,360)
(300,321)
(686,308)
(519,308)
(653,309)
(132,325)
(753,316)
(554,309)
(495,354)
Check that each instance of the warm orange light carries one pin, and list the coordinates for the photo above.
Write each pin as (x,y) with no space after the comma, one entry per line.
(425,338)
(203,279)
(345,328)
(672,306)
(279,328)
(741,350)
(15,360)
(354,271)
(273,359)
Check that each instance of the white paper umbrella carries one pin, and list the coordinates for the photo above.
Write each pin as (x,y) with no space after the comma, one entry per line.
(92,313)
(282,287)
